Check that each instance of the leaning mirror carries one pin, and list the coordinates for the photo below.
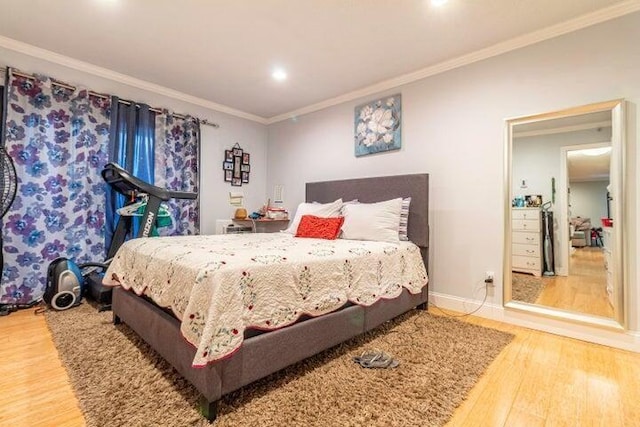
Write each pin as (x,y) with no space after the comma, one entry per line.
(563,214)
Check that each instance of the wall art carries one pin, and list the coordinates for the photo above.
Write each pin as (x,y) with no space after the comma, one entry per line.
(378,126)
(236,167)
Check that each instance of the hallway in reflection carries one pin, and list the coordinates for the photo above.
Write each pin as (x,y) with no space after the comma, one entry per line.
(584,290)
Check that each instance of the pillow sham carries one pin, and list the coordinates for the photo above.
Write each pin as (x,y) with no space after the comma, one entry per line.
(372,221)
(319,228)
(324,210)
(403,230)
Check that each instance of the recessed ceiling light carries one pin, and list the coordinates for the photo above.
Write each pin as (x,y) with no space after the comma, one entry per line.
(438,2)
(279,74)
(595,151)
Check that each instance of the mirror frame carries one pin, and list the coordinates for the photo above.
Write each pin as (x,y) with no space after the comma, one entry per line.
(618,207)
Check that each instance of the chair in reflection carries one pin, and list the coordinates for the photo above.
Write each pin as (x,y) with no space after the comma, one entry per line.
(596,237)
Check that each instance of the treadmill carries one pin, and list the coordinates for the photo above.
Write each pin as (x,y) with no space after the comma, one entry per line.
(131,187)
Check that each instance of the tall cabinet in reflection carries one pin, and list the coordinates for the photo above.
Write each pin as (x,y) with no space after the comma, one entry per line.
(526,241)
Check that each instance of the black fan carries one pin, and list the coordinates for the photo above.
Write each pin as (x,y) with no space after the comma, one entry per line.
(7,194)
(7,182)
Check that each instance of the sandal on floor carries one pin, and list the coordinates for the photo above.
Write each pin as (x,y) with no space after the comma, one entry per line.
(376,359)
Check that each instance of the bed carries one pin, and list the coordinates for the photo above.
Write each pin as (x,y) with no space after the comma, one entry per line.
(261,354)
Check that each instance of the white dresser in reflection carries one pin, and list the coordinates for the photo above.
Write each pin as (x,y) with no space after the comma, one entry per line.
(526,240)
(607,245)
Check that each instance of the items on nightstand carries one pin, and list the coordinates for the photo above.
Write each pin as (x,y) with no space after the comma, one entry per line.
(518,202)
(277,213)
(241,213)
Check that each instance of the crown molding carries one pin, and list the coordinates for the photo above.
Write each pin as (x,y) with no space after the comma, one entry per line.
(580,22)
(95,70)
(563,129)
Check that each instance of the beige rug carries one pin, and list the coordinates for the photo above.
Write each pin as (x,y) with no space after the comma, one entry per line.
(120,381)
(526,288)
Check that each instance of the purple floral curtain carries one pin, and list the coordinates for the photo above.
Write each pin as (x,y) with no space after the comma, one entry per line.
(177,155)
(58,139)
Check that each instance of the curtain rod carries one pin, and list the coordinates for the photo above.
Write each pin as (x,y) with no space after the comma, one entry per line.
(102,95)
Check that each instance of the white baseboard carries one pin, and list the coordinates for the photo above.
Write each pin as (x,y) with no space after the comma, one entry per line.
(625,340)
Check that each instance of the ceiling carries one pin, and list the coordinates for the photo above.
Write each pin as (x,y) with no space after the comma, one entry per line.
(582,167)
(222,53)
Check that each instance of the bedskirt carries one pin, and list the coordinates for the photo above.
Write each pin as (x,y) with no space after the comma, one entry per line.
(259,355)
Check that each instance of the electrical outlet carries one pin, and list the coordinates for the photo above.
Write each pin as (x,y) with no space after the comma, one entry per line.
(488,278)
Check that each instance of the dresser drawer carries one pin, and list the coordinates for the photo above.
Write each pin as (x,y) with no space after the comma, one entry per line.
(525,250)
(533,215)
(525,238)
(525,224)
(525,262)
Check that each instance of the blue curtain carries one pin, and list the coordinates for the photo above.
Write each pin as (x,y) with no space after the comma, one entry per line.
(132,145)
(58,140)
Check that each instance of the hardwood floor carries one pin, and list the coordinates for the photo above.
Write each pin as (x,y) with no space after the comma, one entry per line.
(584,289)
(541,379)
(34,387)
(538,379)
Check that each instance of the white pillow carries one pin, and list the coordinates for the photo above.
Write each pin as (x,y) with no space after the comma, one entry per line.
(372,221)
(403,231)
(323,210)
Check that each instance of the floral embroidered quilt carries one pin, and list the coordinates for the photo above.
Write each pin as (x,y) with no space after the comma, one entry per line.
(220,285)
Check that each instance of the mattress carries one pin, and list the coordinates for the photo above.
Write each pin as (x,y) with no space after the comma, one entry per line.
(219,286)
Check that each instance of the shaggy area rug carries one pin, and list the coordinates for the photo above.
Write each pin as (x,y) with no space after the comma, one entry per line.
(120,381)
(526,288)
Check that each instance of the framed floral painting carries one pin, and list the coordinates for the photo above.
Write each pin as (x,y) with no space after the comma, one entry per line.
(378,125)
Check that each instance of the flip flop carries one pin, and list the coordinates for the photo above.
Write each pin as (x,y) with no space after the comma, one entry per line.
(376,359)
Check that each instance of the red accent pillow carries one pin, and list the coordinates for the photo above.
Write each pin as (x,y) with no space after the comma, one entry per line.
(319,228)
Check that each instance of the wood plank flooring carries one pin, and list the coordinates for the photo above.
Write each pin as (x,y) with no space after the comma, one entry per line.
(584,289)
(34,387)
(539,379)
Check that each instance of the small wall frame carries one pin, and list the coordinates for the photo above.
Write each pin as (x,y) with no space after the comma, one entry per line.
(236,166)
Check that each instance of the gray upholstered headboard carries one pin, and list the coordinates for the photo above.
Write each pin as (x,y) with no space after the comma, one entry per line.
(377,189)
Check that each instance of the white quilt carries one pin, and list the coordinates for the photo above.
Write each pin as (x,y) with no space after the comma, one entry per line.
(221,285)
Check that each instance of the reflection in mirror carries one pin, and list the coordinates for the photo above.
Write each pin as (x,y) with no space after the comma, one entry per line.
(563,253)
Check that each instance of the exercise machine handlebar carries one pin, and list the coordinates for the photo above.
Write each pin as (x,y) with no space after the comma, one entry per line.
(125,183)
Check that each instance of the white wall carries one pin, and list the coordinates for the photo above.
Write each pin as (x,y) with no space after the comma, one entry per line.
(214,193)
(453,128)
(589,200)
(214,196)
(537,159)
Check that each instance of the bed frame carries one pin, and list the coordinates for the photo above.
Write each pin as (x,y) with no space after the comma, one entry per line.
(264,354)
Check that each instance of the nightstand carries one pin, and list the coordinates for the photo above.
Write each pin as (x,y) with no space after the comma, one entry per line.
(263,225)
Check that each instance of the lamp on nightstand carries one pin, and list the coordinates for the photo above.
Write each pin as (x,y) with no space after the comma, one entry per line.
(241,213)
